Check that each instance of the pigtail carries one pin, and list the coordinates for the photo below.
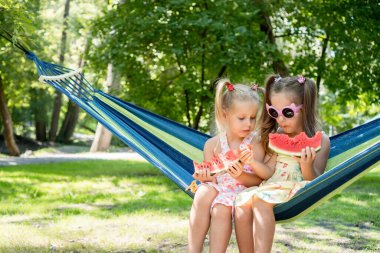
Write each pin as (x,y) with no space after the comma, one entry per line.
(310,105)
(259,90)
(219,104)
(267,123)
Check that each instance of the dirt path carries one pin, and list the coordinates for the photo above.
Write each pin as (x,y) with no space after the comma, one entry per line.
(64,157)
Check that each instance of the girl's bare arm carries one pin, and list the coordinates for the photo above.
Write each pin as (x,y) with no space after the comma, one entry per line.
(312,163)
(262,165)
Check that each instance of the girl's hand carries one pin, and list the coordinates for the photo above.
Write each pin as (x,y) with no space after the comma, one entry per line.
(307,157)
(235,170)
(246,156)
(204,176)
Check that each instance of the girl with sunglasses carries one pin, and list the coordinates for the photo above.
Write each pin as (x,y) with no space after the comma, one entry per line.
(236,107)
(290,109)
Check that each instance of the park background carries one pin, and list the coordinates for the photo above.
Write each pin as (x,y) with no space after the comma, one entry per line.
(164,56)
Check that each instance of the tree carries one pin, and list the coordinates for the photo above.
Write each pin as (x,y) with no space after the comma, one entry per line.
(8,125)
(267,28)
(169,53)
(71,117)
(14,23)
(58,95)
(103,136)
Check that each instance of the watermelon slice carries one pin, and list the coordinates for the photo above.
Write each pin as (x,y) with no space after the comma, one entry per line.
(283,144)
(197,166)
(217,165)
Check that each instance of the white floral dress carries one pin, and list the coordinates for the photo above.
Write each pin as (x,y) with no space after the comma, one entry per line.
(282,186)
(226,185)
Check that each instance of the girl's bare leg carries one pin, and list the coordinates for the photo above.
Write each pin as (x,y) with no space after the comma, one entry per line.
(264,223)
(220,228)
(244,228)
(199,221)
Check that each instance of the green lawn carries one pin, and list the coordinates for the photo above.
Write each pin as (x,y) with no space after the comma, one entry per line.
(119,206)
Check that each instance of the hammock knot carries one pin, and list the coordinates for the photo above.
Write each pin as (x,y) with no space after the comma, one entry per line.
(30,55)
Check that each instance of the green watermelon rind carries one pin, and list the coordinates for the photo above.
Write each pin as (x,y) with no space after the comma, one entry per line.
(290,153)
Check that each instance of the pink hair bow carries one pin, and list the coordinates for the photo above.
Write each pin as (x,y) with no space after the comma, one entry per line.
(255,86)
(230,86)
(301,79)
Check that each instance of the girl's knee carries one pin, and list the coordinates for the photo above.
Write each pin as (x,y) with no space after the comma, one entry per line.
(258,203)
(243,213)
(220,211)
(205,191)
(204,196)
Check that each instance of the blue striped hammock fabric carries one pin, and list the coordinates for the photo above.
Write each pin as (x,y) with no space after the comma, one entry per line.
(172,147)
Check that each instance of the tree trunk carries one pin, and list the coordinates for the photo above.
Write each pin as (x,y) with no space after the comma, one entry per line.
(187,104)
(39,106)
(266,27)
(58,95)
(69,123)
(71,118)
(103,136)
(322,62)
(40,130)
(203,97)
(102,139)
(9,139)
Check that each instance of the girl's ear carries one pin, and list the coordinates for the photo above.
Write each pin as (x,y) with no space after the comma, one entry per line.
(224,114)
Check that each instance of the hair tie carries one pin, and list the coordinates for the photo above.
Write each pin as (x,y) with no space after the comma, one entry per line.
(230,86)
(276,79)
(301,79)
(254,87)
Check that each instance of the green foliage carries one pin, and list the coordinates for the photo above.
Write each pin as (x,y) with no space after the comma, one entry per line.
(17,23)
(349,68)
(169,52)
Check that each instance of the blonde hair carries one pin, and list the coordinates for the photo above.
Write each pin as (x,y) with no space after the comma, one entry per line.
(224,98)
(303,93)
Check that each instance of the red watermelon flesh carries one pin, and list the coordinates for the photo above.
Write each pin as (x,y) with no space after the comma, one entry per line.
(217,165)
(231,155)
(283,144)
(220,163)
(207,165)
(197,166)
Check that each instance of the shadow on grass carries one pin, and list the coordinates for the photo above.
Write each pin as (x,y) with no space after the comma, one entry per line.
(11,190)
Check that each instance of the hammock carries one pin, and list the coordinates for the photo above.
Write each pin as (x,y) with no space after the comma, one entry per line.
(171,147)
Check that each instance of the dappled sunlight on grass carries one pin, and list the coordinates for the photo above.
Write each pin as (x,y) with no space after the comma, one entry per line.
(353,201)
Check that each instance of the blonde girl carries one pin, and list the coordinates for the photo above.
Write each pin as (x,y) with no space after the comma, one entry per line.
(236,108)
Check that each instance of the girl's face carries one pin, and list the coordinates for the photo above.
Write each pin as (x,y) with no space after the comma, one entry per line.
(291,126)
(241,117)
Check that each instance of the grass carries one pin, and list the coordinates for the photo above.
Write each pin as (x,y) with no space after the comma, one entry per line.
(119,206)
